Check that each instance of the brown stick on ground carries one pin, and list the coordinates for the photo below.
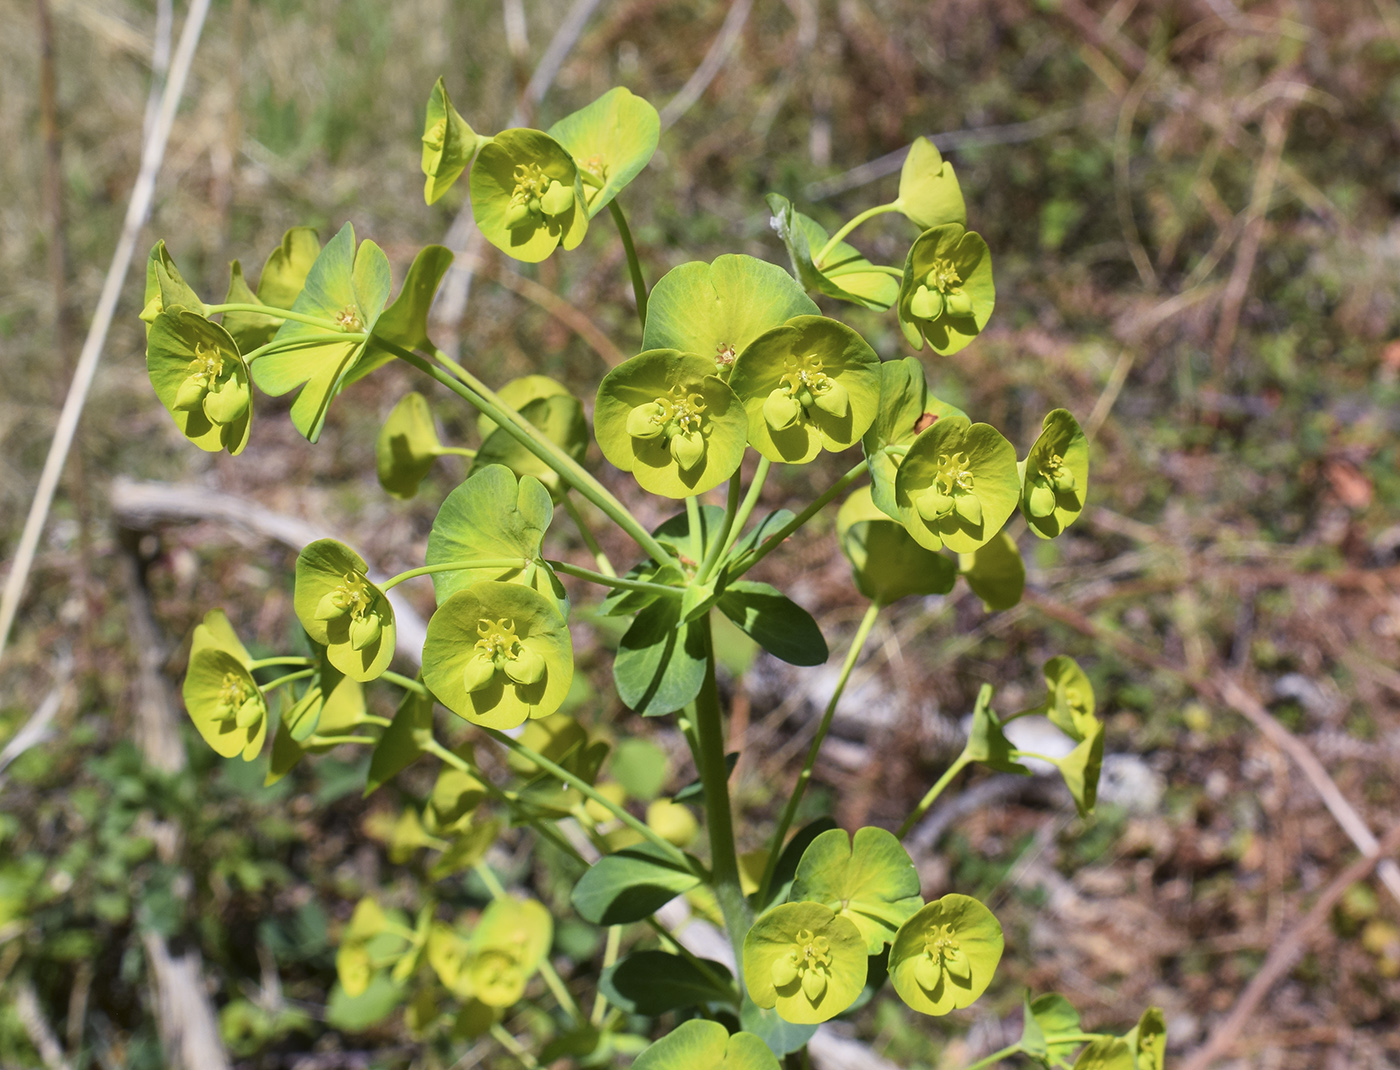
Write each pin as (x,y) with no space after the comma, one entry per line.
(1285,954)
(1224,689)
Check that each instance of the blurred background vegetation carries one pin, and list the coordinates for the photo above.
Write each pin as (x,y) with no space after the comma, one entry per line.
(1192,208)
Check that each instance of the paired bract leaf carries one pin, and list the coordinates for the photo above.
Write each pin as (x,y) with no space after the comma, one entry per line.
(406,447)
(404,324)
(1055,476)
(957,485)
(1148,1041)
(995,572)
(703,1045)
(667,418)
(929,194)
(947,294)
(887,563)
(374,940)
(870,880)
(1106,1053)
(715,310)
(1080,769)
(527,196)
(347,288)
(216,633)
(201,379)
(629,885)
(986,741)
(247,329)
(343,611)
(498,653)
(804,960)
(653,982)
(1044,1019)
(1069,701)
(944,956)
(559,417)
(809,385)
(844,274)
(611,140)
(493,514)
(448,144)
(775,622)
(225,704)
(331,705)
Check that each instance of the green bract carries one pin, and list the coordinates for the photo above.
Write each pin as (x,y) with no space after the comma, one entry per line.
(527,196)
(347,288)
(493,515)
(809,385)
(505,949)
(888,564)
(806,961)
(222,698)
(845,274)
(406,447)
(1044,1020)
(1055,476)
(1070,700)
(283,276)
(715,310)
(374,940)
(549,408)
(957,485)
(906,409)
(448,144)
(331,705)
(611,140)
(1106,1053)
(1148,1041)
(343,611)
(869,879)
(667,418)
(166,287)
(201,379)
(947,294)
(944,956)
(702,1045)
(498,653)
(995,572)
(929,194)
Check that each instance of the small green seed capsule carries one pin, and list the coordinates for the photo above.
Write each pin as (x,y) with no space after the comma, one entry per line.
(834,400)
(1042,501)
(479,673)
(780,410)
(527,667)
(558,199)
(364,631)
(969,508)
(927,973)
(332,606)
(646,421)
(517,215)
(226,402)
(688,448)
(814,985)
(784,971)
(1064,480)
(933,504)
(958,304)
(534,206)
(191,392)
(926,304)
(249,713)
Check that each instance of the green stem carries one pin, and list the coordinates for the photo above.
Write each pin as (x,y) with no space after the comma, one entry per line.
(933,793)
(864,269)
(775,845)
(610,950)
(619,582)
(718,544)
(453,566)
(758,553)
(714,777)
(760,477)
(835,240)
(405,682)
(375,719)
(995,1057)
(278,314)
(455,451)
(695,523)
(335,741)
(299,343)
(504,1039)
(600,558)
(483,398)
(587,791)
(265,663)
(289,678)
(639,284)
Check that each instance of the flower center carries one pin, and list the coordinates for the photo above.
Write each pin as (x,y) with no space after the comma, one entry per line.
(940,291)
(676,418)
(498,639)
(803,386)
(950,492)
(724,354)
(943,276)
(348,319)
(499,649)
(536,196)
(953,474)
(352,596)
(807,962)
(436,136)
(208,362)
(942,955)
(232,693)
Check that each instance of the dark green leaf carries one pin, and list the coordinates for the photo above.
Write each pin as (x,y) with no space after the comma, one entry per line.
(775,622)
(629,885)
(654,982)
(660,665)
